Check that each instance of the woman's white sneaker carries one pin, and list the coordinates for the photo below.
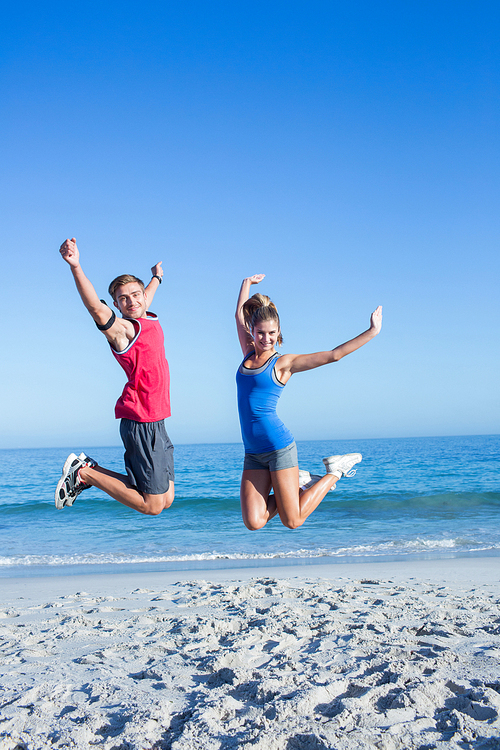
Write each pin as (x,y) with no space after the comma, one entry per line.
(304,478)
(342,465)
(307,480)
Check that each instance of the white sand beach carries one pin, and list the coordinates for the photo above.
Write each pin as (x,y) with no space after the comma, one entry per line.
(385,655)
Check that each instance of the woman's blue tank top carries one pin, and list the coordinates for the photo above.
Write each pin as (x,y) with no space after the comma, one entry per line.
(258,393)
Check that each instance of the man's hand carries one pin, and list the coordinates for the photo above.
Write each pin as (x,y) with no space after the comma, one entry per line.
(69,252)
(157,270)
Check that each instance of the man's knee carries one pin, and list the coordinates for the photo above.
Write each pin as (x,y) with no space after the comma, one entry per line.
(168,501)
(152,507)
(154,504)
(169,496)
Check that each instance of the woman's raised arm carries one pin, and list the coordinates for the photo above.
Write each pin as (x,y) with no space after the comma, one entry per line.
(244,336)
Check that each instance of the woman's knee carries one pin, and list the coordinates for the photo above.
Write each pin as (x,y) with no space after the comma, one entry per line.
(292,522)
(254,523)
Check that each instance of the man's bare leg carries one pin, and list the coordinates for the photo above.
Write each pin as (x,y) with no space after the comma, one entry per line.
(119,488)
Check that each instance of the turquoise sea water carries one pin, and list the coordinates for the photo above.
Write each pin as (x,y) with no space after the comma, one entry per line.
(429,497)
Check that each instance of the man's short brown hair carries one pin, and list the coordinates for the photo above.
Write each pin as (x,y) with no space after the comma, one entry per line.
(125,278)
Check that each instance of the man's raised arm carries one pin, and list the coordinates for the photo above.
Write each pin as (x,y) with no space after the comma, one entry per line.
(99,311)
(156,279)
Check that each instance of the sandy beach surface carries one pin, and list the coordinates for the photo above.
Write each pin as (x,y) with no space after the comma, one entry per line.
(383,655)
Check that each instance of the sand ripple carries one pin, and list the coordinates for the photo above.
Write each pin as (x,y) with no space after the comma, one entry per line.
(266,664)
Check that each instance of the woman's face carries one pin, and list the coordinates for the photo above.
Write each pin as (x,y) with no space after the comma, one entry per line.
(265,335)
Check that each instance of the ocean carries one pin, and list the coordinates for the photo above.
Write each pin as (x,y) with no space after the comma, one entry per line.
(413,497)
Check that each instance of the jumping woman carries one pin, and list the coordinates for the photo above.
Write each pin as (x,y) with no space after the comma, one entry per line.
(270,452)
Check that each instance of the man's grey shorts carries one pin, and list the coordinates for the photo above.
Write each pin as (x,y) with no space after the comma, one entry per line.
(284,458)
(149,455)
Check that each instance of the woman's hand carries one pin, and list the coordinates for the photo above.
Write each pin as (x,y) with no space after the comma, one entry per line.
(376,320)
(256,278)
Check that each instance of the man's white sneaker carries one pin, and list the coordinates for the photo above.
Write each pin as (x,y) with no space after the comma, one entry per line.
(70,485)
(342,465)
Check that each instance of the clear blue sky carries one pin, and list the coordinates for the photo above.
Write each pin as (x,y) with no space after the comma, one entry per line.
(350,151)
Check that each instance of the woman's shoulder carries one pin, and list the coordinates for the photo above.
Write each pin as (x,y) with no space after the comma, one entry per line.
(284,359)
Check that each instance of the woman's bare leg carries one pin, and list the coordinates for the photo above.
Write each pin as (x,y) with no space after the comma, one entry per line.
(257,505)
(295,505)
(119,488)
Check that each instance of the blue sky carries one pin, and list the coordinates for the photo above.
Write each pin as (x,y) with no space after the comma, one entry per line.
(348,150)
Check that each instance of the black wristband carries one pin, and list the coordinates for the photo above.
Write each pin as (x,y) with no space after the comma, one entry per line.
(110,321)
(155,276)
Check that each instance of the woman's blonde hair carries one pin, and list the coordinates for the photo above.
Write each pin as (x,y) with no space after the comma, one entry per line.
(260,307)
(125,278)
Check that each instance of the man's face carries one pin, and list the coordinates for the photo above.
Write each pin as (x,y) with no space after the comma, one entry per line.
(130,299)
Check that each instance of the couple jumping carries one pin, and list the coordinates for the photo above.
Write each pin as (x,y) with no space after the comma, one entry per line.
(271,483)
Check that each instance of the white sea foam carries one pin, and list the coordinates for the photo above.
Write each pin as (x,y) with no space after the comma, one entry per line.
(410,547)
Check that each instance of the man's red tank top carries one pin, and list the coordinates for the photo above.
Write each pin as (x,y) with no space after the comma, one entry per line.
(146,396)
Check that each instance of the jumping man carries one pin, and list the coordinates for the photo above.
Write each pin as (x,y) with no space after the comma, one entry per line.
(136,341)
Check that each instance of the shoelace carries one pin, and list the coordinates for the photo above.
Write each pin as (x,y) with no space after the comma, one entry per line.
(79,485)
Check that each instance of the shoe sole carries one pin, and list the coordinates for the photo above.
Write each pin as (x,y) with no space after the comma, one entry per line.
(61,502)
(341,455)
